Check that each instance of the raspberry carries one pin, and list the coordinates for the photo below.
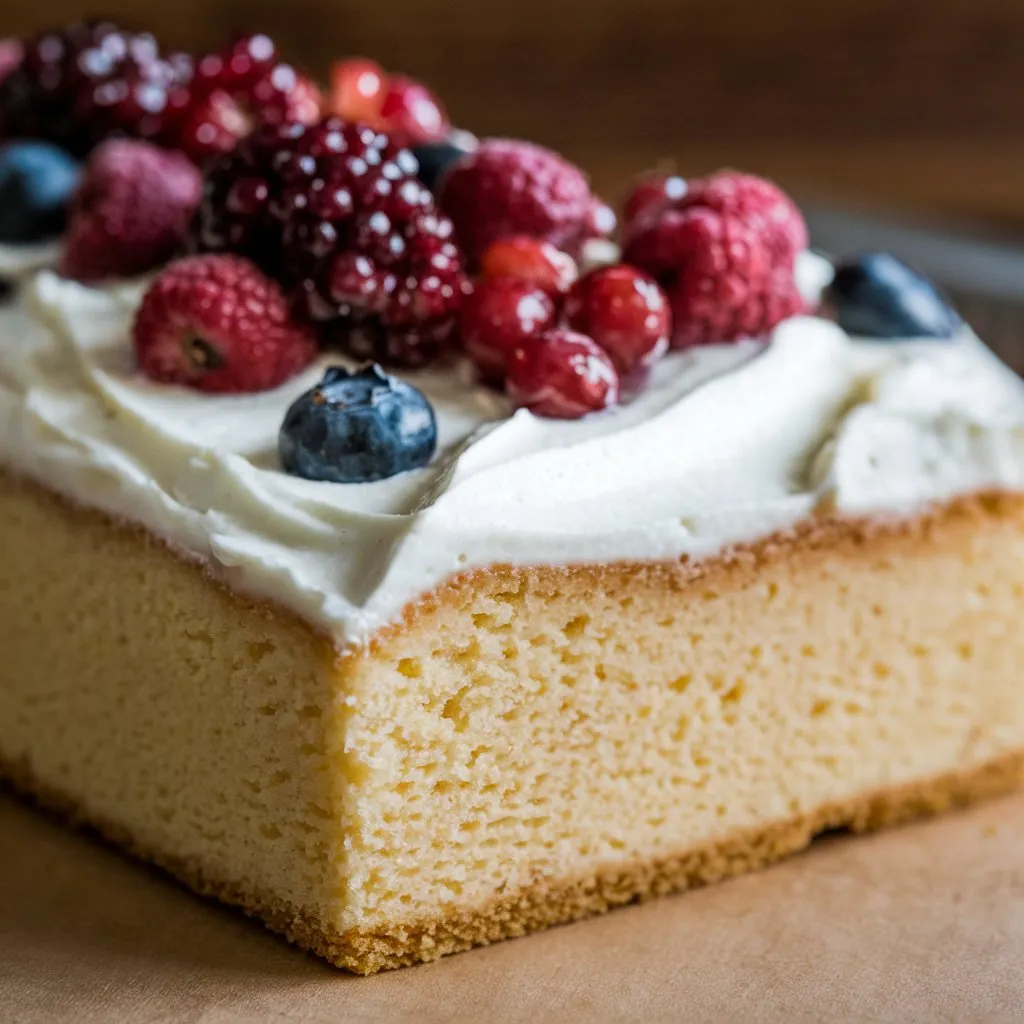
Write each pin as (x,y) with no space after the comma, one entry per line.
(726,287)
(529,259)
(238,89)
(514,188)
(756,202)
(334,211)
(561,374)
(131,211)
(498,316)
(652,192)
(92,81)
(217,323)
(624,311)
(404,108)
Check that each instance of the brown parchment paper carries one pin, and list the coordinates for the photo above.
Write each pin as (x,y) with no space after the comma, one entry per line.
(924,923)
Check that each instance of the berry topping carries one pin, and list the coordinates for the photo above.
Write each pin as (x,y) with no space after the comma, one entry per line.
(335,212)
(529,259)
(651,193)
(725,286)
(36,183)
(357,427)
(92,81)
(217,323)
(235,91)
(756,202)
(561,374)
(624,311)
(404,108)
(131,211)
(875,295)
(725,254)
(435,158)
(501,314)
(514,188)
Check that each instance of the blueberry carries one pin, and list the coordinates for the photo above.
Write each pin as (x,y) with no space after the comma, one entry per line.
(356,427)
(876,295)
(36,183)
(434,158)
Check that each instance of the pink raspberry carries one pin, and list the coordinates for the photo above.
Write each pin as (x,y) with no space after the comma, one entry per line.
(507,188)
(131,211)
(218,323)
(758,203)
(725,286)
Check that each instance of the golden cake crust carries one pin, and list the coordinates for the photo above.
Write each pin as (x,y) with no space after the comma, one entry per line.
(545,903)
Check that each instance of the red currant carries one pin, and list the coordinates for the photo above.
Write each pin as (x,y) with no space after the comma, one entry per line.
(624,311)
(499,315)
(411,112)
(561,374)
(532,260)
(651,192)
(357,89)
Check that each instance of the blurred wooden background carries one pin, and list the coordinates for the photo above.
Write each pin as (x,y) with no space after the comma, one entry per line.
(905,105)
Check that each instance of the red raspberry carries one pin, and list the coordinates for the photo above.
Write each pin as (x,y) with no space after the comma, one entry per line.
(235,91)
(508,188)
(131,211)
(756,202)
(624,311)
(334,211)
(529,259)
(404,108)
(499,315)
(217,323)
(561,374)
(725,287)
(652,193)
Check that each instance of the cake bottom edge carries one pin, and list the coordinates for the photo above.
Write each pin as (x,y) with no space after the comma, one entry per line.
(548,901)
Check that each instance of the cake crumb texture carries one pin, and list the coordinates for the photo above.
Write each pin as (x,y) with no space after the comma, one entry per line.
(527,746)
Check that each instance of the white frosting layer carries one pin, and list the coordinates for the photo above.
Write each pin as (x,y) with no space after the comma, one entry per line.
(725,443)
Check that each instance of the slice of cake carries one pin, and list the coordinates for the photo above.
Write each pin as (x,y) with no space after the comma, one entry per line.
(590,589)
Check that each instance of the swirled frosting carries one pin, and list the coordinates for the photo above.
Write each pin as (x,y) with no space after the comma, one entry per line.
(724,443)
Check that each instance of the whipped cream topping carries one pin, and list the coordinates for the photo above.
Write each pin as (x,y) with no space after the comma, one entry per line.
(724,443)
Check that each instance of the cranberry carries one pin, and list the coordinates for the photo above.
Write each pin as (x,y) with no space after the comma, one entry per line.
(499,315)
(624,311)
(656,190)
(561,374)
(532,260)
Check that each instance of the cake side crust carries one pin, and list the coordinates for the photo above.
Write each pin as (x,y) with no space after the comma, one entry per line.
(551,901)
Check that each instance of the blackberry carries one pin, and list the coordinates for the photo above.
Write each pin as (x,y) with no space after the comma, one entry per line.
(335,212)
(92,81)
